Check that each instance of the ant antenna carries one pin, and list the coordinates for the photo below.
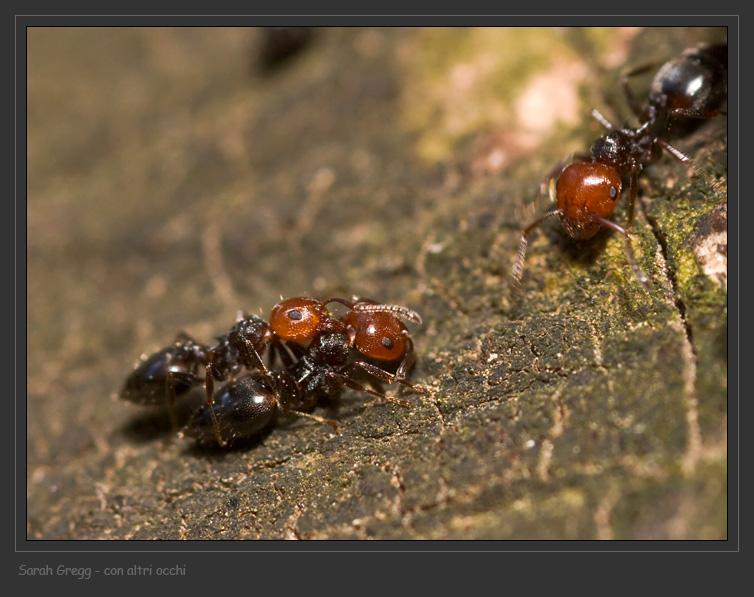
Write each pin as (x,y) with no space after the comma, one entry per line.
(702,171)
(369,306)
(399,310)
(518,268)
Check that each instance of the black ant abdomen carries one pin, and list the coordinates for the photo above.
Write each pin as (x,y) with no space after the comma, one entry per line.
(242,408)
(175,367)
(690,88)
(171,372)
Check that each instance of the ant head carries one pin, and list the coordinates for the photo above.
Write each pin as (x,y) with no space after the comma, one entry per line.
(377,332)
(585,190)
(300,319)
(378,335)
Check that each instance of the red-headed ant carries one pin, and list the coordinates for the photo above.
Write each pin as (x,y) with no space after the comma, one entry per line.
(685,91)
(320,354)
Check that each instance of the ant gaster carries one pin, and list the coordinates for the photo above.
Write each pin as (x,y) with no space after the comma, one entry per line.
(321,342)
(685,91)
(173,371)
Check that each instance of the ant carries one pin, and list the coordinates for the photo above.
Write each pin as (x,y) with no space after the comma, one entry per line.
(321,342)
(685,92)
(370,329)
(324,345)
(173,371)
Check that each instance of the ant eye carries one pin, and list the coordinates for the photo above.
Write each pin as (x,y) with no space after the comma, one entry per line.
(387,343)
(295,315)
(613,193)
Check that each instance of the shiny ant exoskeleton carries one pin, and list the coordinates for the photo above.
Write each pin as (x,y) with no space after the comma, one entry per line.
(370,330)
(246,406)
(322,343)
(173,371)
(685,91)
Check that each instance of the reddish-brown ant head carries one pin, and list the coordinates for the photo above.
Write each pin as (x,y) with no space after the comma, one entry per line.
(299,319)
(376,334)
(585,190)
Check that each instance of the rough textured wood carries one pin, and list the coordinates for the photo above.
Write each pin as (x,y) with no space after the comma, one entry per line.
(172,183)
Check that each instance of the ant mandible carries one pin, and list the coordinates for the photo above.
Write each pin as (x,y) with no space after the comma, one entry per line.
(685,91)
(321,342)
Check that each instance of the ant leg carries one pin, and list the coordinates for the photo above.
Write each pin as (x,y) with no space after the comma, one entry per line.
(518,268)
(638,272)
(276,348)
(698,168)
(382,375)
(597,115)
(287,395)
(209,385)
(271,356)
(344,379)
(408,358)
(170,382)
(254,357)
(296,349)
(320,420)
(633,103)
(633,184)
